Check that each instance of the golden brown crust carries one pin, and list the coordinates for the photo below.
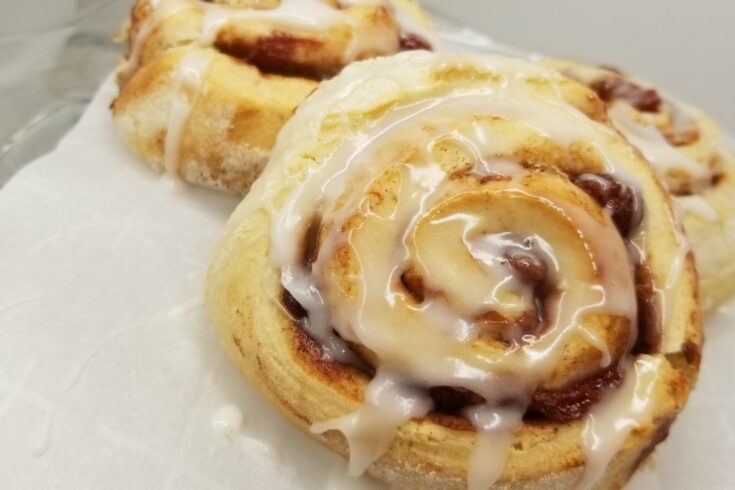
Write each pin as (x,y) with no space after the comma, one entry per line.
(232,126)
(432,452)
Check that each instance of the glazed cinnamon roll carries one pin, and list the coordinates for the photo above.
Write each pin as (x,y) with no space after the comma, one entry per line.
(206,86)
(456,273)
(689,154)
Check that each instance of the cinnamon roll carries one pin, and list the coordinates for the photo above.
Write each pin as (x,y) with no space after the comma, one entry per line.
(456,273)
(206,86)
(687,151)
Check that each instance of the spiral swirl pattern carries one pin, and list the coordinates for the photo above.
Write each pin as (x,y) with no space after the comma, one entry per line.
(456,232)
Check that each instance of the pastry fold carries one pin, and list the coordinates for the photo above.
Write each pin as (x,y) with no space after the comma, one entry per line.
(455,272)
(687,151)
(206,86)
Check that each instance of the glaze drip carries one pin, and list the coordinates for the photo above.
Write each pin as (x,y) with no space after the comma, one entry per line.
(188,81)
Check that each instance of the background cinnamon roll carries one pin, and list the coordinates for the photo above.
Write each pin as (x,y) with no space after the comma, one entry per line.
(455,272)
(206,86)
(689,154)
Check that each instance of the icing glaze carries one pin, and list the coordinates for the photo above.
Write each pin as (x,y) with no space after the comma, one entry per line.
(389,402)
(670,162)
(315,15)
(442,329)
(406,13)
(227,421)
(305,14)
(697,205)
(496,430)
(188,81)
(654,146)
(611,420)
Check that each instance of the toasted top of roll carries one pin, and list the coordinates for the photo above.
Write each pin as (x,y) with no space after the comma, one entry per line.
(445,285)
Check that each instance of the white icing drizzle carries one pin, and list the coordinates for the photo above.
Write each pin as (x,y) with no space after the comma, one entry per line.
(305,14)
(407,20)
(655,147)
(678,265)
(440,330)
(497,428)
(489,250)
(611,420)
(699,206)
(410,25)
(640,130)
(369,431)
(188,81)
(663,157)
(303,288)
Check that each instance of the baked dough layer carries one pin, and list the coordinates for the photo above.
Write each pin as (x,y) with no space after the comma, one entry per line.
(245,294)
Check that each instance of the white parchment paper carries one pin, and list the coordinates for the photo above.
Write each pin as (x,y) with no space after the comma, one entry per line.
(110,376)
